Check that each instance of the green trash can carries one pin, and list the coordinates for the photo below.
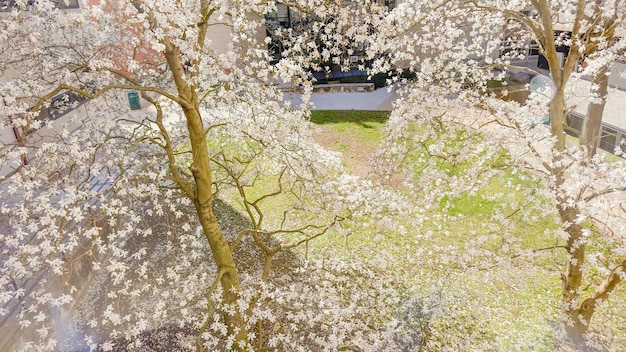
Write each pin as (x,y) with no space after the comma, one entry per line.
(133,100)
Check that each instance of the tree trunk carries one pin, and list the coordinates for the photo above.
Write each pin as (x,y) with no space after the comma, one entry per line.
(203,194)
(543,29)
(580,317)
(203,201)
(572,280)
(590,132)
(557,116)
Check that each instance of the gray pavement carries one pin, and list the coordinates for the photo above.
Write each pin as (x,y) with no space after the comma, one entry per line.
(381,99)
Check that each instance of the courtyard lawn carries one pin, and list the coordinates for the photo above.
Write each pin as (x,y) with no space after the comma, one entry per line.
(486,287)
(511,305)
(356,134)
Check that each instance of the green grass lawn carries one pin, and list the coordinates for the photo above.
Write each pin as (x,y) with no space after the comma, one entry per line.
(512,304)
(367,125)
(497,293)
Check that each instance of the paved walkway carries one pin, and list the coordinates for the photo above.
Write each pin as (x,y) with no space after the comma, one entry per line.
(380,99)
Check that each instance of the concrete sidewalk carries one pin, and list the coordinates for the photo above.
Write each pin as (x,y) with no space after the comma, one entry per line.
(381,100)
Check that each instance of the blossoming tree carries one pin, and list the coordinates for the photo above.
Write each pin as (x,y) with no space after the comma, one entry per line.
(129,221)
(455,71)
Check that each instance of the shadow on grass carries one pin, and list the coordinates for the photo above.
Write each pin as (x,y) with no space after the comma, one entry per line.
(365,119)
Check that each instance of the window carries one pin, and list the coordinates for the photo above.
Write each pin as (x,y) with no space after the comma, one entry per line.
(574,123)
(608,139)
(390,3)
(59,106)
(281,18)
(63,103)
